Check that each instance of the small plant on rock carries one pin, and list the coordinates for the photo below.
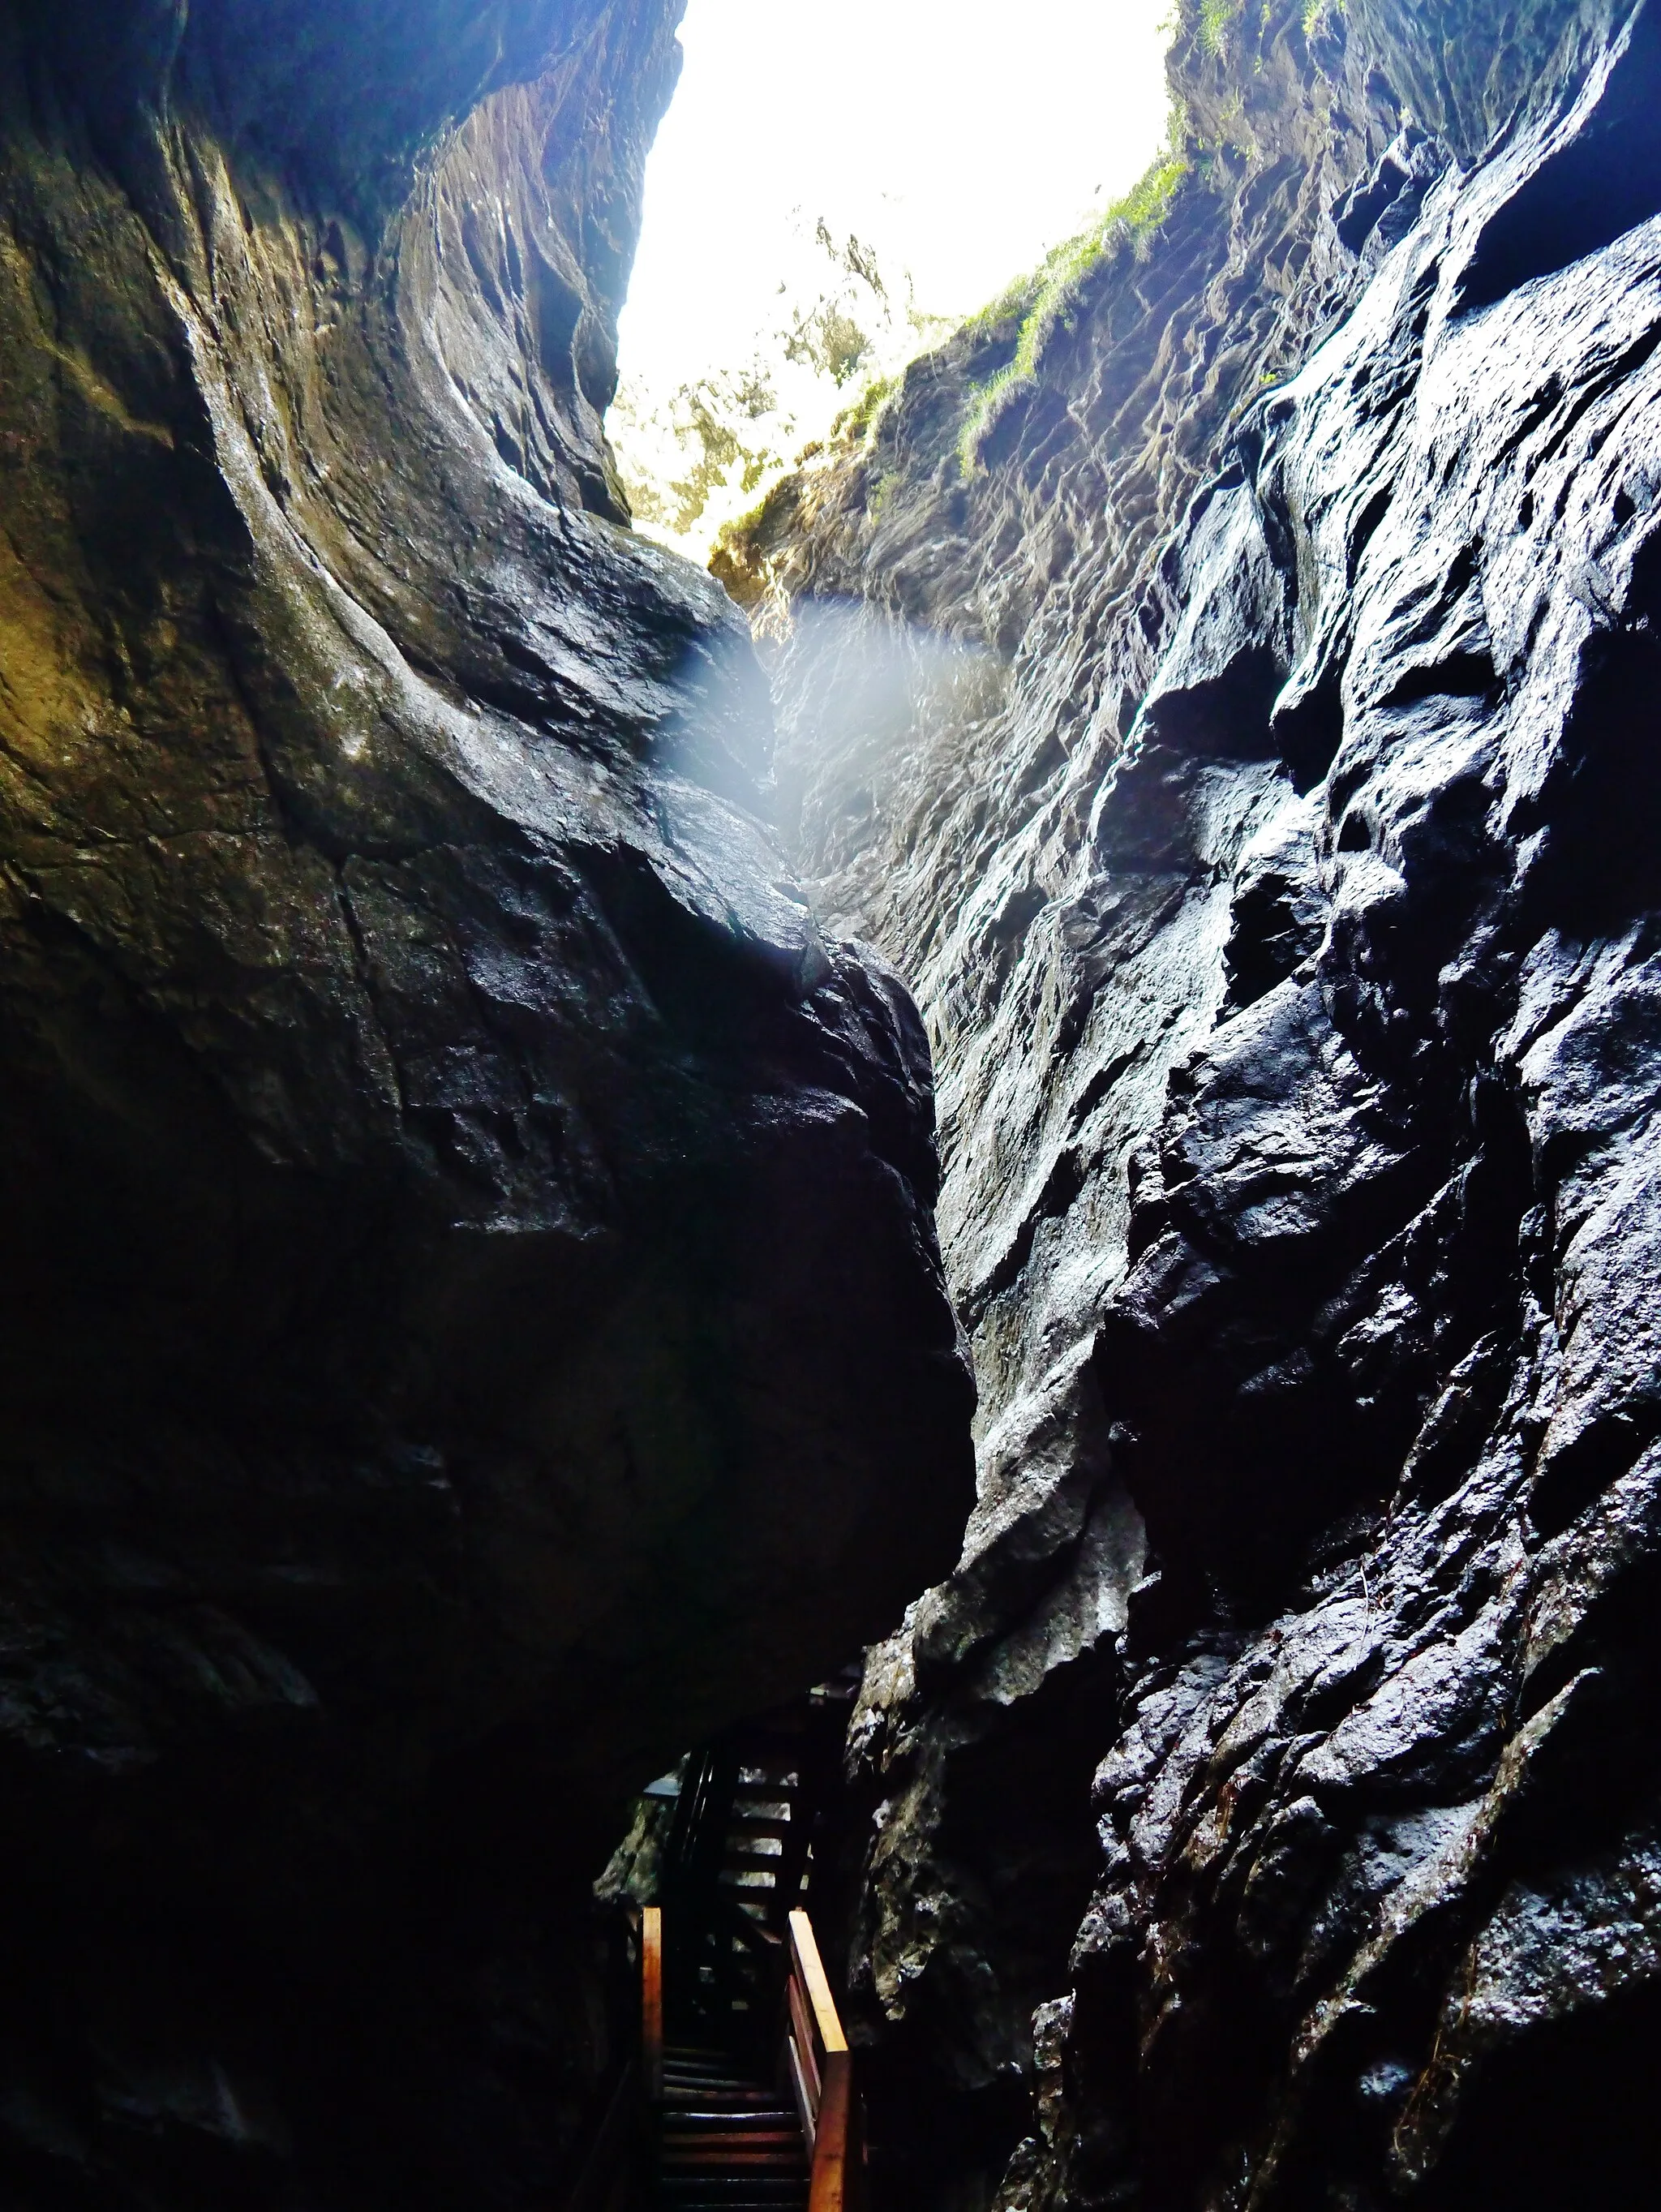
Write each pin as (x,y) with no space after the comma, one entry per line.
(1214,18)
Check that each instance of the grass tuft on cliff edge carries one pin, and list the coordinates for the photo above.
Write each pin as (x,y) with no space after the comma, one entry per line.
(1043,299)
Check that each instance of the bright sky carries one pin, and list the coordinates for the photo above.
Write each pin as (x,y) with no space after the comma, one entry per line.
(962,138)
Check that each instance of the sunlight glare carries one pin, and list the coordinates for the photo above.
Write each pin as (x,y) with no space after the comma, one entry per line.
(959,141)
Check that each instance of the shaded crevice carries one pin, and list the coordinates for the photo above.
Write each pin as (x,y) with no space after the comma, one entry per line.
(1603,182)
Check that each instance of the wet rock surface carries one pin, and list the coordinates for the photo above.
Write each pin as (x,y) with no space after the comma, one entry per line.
(1251,767)
(472,1318)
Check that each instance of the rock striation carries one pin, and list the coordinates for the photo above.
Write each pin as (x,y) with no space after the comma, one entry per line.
(1242,739)
(472,1319)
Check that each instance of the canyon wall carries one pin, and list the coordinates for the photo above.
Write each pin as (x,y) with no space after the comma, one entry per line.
(472,1320)
(1227,698)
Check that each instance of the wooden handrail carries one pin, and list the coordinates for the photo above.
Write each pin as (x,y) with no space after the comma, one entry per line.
(821,2067)
(652,2001)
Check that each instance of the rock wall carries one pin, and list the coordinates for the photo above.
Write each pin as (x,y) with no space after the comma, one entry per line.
(1245,748)
(472,1319)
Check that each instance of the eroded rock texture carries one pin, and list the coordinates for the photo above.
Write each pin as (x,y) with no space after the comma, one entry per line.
(1254,768)
(471,1314)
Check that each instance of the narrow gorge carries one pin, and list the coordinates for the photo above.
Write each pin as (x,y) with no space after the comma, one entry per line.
(1047,1084)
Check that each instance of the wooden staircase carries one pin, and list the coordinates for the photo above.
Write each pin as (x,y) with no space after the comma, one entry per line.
(740,1861)
(726,2144)
(727,2141)
(740,2096)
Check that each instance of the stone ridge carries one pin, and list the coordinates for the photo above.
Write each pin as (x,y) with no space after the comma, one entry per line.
(472,1320)
(1249,768)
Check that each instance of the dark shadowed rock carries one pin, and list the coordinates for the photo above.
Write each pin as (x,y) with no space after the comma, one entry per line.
(1260,793)
(471,1314)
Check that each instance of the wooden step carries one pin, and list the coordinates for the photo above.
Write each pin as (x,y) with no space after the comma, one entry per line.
(766,2113)
(742,2187)
(733,2158)
(725,2085)
(781,2188)
(724,2173)
(751,2138)
(786,2139)
(734,2153)
(721,2090)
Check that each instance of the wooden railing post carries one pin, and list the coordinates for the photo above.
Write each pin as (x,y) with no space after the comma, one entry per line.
(652,2001)
(830,2192)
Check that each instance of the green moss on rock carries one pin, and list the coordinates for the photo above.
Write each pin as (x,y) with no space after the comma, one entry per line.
(1045,299)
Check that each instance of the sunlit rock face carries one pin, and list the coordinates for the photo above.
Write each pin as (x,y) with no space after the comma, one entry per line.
(1252,766)
(472,1318)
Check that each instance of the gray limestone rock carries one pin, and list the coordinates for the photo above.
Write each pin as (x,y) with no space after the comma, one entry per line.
(1254,774)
